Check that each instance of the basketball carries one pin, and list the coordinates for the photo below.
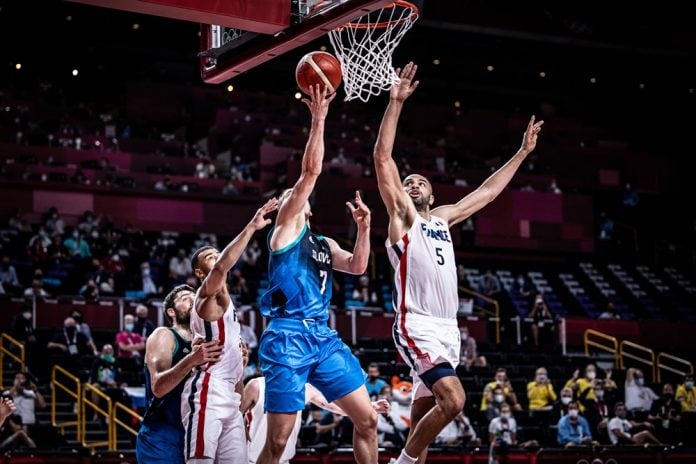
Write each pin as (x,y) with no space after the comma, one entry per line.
(318,68)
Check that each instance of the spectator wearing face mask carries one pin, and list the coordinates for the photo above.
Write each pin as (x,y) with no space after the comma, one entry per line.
(665,415)
(69,341)
(584,386)
(468,354)
(597,411)
(561,407)
(129,343)
(143,326)
(374,383)
(540,392)
(625,432)
(84,329)
(639,397)
(501,380)
(686,394)
(498,400)
(573,429)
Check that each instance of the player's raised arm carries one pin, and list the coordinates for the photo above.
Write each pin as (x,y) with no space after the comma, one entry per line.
(491,187)
(312,159)
(388,178)
(217,278)
(355,262)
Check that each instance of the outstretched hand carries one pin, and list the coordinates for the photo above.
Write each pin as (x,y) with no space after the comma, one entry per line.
(360,212)
(7,408)
(318,101)
(403,89)
(381,406)
(259,221)
(529,139)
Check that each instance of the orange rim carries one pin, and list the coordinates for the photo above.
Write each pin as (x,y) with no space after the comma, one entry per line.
(384,24)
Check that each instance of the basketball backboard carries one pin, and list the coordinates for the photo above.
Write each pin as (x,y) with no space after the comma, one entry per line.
(237,35)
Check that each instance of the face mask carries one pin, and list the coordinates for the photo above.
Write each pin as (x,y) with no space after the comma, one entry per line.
(541,378)
(640,381)
(141,318)
(465,336)
(78,319)
(599,394)
(566,399)
(591,375)
(373,378)
(668,396)
(573,412)
(499,398)
(689,385)
(70,331)
(26,315)
(108,358)
(621,414)
(505,415)
(128,327)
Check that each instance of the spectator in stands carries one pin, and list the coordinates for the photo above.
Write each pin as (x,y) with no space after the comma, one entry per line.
(623,431)
(609,312)
(540,393)
(522,286)
(502,433)
(148,284)
(239,290)
(561,407)
(573,429)
(686,394)
(502,381)
(12,434)
(583,386)
(8,277)
(69,341)
(143,326)
(18,222)
(26,397)
(665,414)
(542,325)
(130,344)
(468,354)
(489,284)
(374,383)
(77,246)
(229,188)
(553,187)
(365,292)
(23,327)
(89,291)
(36,290)
(638,396)
(104,372)
(179,268)
(88,222)
(7,408)
(459,432)
(53,223)
(596,410)
(83,328)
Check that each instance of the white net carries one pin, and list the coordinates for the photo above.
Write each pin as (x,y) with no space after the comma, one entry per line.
(365,46)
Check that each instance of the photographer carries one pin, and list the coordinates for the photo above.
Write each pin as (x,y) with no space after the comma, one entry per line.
(26,397)
(11,433)
(542,323)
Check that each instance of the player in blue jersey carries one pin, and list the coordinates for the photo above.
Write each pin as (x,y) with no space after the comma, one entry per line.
(298,346)
(169,358)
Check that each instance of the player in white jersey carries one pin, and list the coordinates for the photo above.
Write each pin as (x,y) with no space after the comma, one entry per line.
(252,407)
(420,250)
(213,424)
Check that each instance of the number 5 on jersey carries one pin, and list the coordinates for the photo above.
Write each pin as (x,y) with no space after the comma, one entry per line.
(440,258)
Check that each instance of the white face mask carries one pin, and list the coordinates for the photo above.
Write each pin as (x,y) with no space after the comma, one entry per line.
(591,375)
(573,412)
(505,415)
(499,398)
(465,336)
(566,399)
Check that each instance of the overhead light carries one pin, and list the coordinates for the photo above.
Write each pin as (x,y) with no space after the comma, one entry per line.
(641,85)
(457,104)
(230,88)
(136,26)
(298,95)
(542,74)
(18,66)
(593,80)
(436,61)
(75,72)
(322,48)
(68,18)
(490,68)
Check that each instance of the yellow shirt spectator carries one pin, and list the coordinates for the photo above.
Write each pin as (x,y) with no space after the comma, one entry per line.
(540,395)
(686,395)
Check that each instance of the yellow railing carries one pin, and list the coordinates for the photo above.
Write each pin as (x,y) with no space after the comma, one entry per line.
(495,313)
(648,359)
(87,392)
(115,421)
(56,384)
(661,365)
(5,342)
(612,347)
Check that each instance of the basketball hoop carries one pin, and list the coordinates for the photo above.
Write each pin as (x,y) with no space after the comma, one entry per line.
(365,47)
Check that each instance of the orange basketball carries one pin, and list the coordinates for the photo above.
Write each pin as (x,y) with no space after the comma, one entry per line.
(318,68)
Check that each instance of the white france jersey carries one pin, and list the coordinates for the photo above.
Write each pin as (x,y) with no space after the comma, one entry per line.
(227,331)
(425,274)
(258,427)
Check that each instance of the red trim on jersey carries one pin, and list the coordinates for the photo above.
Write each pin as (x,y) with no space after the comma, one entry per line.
(200,436)
(221,329)
(402,307)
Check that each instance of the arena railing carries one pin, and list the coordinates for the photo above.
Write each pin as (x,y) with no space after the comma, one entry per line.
(661,357)
(106,413)
(6,343)
(73,392)
(494,315)
(646,356)
(116,422)
(612,347)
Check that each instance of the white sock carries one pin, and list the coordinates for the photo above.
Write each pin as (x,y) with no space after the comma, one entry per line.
(405,459)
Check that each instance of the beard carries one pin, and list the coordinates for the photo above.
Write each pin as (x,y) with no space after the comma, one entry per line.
(421,203)
(183,318)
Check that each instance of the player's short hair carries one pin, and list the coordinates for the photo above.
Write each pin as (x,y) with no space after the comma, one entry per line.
(171,296)
(194,258)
